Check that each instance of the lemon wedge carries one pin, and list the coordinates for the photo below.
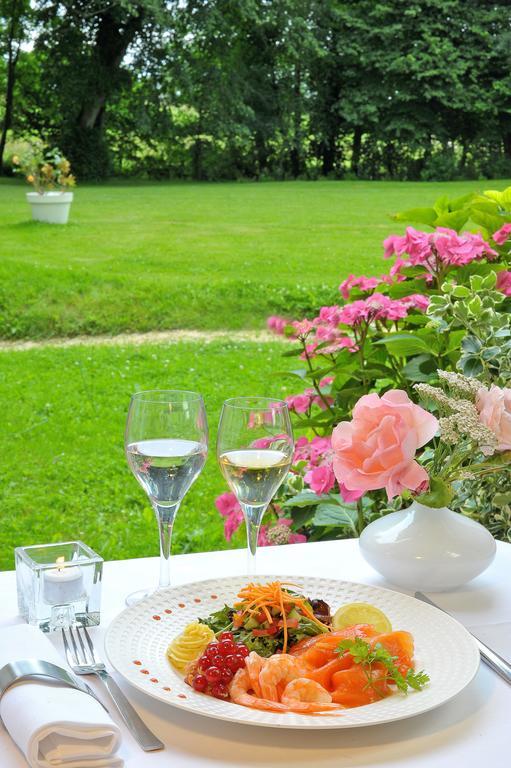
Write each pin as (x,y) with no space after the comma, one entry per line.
(361,613)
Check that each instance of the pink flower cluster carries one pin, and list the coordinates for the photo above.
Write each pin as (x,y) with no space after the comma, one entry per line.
(434,250)
(364,284)
(502,234)
(319,471)
(324,336)
(270,534)
(367,284)
(377,307)
(277,324)
(229,508)
(302,403)
(504,282)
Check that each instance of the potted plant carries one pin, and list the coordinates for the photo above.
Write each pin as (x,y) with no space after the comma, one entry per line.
(425,546)
(49,172)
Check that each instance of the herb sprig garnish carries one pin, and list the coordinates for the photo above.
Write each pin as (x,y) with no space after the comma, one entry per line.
(366,655)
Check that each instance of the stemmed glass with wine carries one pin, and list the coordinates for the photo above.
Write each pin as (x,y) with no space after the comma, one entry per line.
(166,445)
(255,449)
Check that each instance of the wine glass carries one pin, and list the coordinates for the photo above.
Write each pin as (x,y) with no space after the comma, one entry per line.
(166,445)
(255,449)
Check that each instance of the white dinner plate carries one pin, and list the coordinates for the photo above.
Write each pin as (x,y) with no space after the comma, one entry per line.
(137,639)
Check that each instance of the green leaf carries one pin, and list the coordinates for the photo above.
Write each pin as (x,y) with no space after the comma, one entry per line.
(490,222)
(441,205)
(460,202)
(471,344)
(501,499)
(490,281)
(454,339)
(404,344)
(336,514)
(491,353)
(420,368)
(305,499)
(461,292)
(440,494)
(475,305)
(417,215)
(493,194)
(299,373)
(470,366)
(453,219)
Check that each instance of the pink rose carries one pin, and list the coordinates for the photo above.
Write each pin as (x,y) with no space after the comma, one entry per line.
(376,449)
(504,282)
(494,406)
(502,234)
(321,479)
(349,496)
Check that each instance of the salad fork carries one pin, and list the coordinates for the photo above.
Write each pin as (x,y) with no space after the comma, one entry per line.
(83,660)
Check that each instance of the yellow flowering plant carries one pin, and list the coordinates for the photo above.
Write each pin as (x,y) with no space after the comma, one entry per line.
(46,169)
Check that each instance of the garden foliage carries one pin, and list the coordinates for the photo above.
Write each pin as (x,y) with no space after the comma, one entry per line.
(443,304)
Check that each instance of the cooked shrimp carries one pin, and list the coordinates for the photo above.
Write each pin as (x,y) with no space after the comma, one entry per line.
(305,690)
(277,671)
(254,664)
(239,692)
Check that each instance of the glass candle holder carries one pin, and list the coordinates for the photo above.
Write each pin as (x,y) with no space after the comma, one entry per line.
(59,585)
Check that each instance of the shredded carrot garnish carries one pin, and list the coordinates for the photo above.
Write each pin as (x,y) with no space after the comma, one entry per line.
(262,597)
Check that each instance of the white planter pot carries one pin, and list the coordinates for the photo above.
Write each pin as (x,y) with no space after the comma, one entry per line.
(427,549)
(52,207)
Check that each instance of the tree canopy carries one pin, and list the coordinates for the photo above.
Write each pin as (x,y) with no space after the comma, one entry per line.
(217,89)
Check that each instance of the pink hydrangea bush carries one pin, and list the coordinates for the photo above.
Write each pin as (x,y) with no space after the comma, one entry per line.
(376,338)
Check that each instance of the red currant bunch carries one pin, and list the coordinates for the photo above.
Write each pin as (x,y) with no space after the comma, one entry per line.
(216,667)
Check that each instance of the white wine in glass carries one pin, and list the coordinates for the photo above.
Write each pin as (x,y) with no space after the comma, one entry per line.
(166,447)
(255,450)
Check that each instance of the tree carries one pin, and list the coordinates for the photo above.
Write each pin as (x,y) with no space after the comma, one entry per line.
(14,15)
(90,39)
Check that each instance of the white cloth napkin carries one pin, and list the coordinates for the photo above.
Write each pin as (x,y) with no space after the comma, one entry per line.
(54,726)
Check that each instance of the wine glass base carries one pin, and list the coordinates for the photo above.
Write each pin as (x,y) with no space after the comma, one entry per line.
(136,597)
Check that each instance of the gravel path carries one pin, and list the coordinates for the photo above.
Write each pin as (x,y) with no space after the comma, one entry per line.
(152,337)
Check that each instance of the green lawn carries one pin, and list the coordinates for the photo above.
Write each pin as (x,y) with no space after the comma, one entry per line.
(145,257)
(63,471)
(154,256)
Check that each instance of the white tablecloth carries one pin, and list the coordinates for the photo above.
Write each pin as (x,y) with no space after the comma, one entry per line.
(471,731)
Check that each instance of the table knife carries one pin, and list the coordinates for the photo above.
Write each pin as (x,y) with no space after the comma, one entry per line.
(492,659)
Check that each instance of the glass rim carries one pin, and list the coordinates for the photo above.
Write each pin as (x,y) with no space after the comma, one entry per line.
(167,396)
(249,403)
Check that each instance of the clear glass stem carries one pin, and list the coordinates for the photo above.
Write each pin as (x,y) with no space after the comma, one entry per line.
(165,516)
(253,516)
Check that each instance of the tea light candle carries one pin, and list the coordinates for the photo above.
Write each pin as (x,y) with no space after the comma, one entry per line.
(62,584)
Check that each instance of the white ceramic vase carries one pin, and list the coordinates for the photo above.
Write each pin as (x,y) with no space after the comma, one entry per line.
(51,207)
(427,549)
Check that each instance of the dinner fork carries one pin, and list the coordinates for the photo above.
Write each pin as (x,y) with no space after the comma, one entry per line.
(83,660)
